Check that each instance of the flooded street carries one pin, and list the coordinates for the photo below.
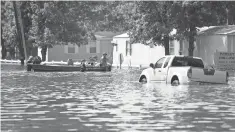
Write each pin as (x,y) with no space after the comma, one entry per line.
(111,101)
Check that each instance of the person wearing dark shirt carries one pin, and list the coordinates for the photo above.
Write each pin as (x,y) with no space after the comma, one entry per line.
(104,60)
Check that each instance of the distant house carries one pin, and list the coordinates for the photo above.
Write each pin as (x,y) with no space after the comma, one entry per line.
(220,38)
(93,48)
(138,54)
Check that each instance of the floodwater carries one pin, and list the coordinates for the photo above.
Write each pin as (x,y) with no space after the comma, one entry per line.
(111,101)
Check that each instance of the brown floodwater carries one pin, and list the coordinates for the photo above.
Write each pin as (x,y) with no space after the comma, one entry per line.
(110,101)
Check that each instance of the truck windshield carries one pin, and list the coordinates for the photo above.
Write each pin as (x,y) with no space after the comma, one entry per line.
(187,61)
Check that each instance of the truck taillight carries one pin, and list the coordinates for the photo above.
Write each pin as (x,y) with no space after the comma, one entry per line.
(189,74)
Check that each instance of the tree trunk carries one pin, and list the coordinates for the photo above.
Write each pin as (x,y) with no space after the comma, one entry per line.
(19,35)
(4,52)
(12,53)
(191,40)
(166,44)
(44,52)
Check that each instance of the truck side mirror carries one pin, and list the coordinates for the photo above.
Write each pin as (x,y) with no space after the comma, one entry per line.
(151,65)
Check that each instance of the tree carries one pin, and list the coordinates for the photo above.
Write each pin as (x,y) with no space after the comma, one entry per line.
(112,16)
(10,36)
(3,46)
(26,17)
(8,29)
(59,23)
(153,23)
(224,11)
(38,33)
(193,14)
(2,23)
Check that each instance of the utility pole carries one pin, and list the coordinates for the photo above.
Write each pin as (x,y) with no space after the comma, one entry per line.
(20,30)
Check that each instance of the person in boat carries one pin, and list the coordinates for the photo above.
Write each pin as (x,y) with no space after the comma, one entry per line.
(91,61)
(83,65)
(30,60)
(104,60)
(70,62)
(37,60)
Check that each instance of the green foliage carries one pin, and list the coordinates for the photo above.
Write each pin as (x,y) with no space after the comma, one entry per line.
(8,25)
(190,15)
(115,16)
(67,22)
(154,20)
(224,11)
(48,23)
(151,22)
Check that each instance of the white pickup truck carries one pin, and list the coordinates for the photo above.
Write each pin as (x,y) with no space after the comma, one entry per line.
(177,70)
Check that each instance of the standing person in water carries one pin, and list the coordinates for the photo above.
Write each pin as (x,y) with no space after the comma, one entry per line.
(104,60)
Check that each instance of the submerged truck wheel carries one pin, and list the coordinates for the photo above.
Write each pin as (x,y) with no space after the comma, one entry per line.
(143,79)
(175,81)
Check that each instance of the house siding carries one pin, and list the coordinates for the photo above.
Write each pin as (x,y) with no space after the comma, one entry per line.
(142,55)
(57,53)
(176,47)
(207,46)
(231,43)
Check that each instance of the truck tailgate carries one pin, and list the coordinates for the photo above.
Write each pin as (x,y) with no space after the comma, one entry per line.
(208,75)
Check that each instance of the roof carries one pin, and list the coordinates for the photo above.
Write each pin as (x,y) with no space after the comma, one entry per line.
(124,35)
(233,33)
(217,30)
(106,34)
(99,36)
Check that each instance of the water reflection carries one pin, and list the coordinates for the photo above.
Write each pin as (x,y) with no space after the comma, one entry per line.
(111,102)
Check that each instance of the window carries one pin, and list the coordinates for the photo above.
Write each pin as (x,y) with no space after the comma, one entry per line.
(70,48)
(171,48)
(116,44)
(92,47)
(166,62)
(187,61)
(159,63)
(128,48)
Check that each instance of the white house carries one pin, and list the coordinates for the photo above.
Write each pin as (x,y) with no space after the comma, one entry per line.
(77,53)
(137,54)
(212,39)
